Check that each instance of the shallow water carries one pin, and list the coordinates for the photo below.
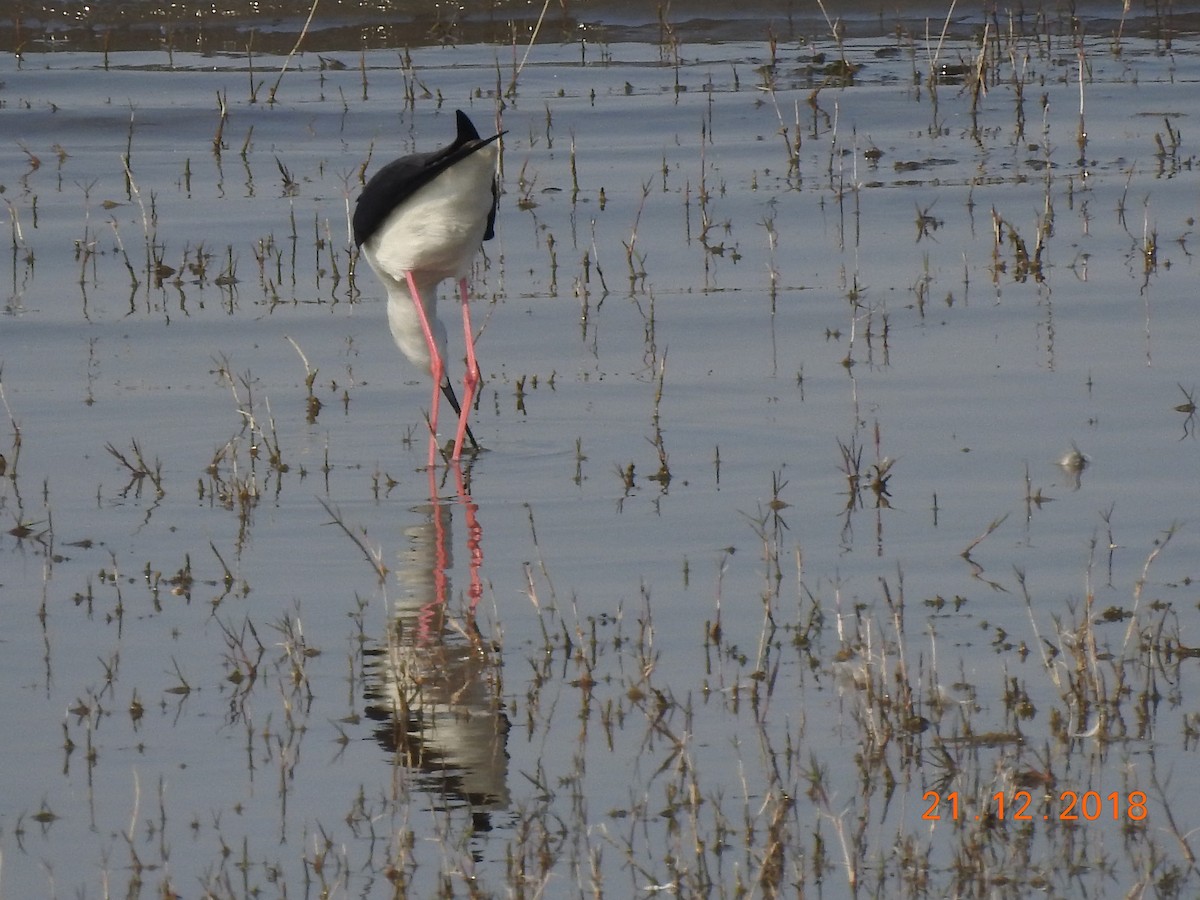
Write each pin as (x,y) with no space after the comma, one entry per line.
(770,537)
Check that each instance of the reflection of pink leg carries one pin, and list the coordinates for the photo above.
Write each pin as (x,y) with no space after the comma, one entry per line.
(437,368)
(471,378)
(474,540)
(433,611)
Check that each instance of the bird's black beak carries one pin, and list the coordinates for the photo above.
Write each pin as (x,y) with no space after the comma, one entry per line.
(448,393)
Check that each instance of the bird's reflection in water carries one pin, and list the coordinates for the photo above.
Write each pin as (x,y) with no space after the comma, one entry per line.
(434,685)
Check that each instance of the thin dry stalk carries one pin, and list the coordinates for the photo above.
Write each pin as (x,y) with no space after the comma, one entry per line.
(372,556)
(1140,584)
(299,40)
(512,85)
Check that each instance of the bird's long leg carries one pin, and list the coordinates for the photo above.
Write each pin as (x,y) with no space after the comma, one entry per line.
(437,367)
(471,378)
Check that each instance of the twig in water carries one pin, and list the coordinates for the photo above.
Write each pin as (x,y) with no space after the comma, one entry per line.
(512,85)
(374,557)
(303,31)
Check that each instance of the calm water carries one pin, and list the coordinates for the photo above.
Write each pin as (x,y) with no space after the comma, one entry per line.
(771,536)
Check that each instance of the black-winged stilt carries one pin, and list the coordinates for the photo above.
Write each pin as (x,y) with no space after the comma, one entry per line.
(419,220)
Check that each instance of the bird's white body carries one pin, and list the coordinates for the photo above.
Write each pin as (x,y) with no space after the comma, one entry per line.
(419,220)
(434,235)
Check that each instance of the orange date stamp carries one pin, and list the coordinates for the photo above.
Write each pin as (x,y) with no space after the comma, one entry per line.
(1022,806)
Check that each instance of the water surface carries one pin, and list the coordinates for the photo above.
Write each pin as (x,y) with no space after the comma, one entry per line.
(782,346)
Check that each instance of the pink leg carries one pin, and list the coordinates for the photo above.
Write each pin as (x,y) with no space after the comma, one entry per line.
(437,367)
(471,378)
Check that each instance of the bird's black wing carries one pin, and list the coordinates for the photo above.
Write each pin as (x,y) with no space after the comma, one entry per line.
(401,178)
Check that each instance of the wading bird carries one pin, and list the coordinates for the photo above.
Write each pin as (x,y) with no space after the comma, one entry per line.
(420,220)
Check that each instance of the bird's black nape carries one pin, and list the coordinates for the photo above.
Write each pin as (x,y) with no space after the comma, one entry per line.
(391,185)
